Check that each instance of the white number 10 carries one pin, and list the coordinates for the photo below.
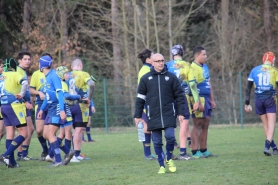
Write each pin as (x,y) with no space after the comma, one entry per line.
(264,79)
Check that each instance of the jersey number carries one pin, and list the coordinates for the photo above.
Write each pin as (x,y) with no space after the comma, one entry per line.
(2,86)
(72,90)
(264,79)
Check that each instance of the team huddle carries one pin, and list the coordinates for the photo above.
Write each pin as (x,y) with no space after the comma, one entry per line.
(179,89)
(63,101)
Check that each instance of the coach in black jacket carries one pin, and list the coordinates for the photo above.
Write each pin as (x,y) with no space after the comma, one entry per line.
(161,93)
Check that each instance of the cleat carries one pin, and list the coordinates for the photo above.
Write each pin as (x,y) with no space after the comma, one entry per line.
(91,141)
(5,160)
(207,154)
(174,157)
(162,170)
(198,155)
(55,164)
(49,159)
(150,157)
(68,157)
(176,145)
(74,160)
(15,166)
(28,158)
(43,156)
(185,157)
(267,152)
(171,165)
(275,152)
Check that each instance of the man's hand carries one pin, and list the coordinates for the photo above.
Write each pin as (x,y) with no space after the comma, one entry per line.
(18,96)
(42,95)
(213,105)
(181,118)
(40,114)
(28,105)
(248,108)
(87,100)
(63,115)
(93,109)
(136,120)
(195,107)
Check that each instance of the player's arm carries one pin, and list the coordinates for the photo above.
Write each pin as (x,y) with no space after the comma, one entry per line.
(59,90)
(248,92)
(68,96)
(212,96)
(91,88)
(140,101)
(194,90)
(24,86)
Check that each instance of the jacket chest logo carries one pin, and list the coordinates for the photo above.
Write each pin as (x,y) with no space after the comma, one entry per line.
(167,78)
(150,78)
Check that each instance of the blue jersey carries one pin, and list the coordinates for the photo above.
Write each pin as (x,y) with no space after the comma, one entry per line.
(200,74)
(53,86)
(264,78)
(174,66)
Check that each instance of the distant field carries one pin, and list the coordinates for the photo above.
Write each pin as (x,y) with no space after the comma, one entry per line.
(117,159)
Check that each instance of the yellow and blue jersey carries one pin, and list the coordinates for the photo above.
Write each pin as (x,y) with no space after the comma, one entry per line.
(77,83)
(264,78)
(10,84)
(200,74)
(144,70)
(52,86)
(181,69)
(38,83)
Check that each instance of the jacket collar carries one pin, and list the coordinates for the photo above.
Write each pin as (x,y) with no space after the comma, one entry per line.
(165,69)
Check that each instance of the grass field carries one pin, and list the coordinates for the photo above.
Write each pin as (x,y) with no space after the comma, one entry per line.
(117,159)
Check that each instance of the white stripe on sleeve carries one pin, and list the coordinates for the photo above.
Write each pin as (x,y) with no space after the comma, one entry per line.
(141,96)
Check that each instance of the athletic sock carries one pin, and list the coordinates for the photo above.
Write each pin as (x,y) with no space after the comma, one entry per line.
(273,145)
(25,150)
(50,152)
(189,140)
(267,144)
(63,147)
(19,154)
(56,149)
(68,143)
(14,145)
(160,155)
(194,152)
(43,143)
(147,145)
(203,150)
(169,150)
(83,137)
(77,153)
(88,132)
(182,151)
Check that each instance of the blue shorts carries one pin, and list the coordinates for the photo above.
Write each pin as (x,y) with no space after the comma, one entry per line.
(28,113)
(207,108)
(264,106)
(68,123)
(37,110)
(53,115)
(80,113)
(14,114)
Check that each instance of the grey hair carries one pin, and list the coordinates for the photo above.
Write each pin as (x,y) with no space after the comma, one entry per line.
(75,62)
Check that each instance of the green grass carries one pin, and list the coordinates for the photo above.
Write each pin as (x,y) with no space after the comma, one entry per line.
(117,159)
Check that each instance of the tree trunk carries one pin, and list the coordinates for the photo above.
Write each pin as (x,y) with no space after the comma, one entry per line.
(147,24)
(170,28)
(63,32)
(267,25)
(26,22)
(155,28)
(136,34)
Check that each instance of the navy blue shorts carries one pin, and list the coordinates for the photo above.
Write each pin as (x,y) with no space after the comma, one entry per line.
(264,106)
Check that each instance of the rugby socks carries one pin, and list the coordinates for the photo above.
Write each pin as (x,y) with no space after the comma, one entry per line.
(88,132)
(50,152)
(267,144)
(169,150)
(189,141)
(147,145)
(19,154)
(194,152)
(182,151)
(56,149)
(77,153)
(14,145)
(68,143)
(43,143)
(273,145)
(160,155)
(25,150)
(83,139)
(63,147)
(11,156)
(203,150)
